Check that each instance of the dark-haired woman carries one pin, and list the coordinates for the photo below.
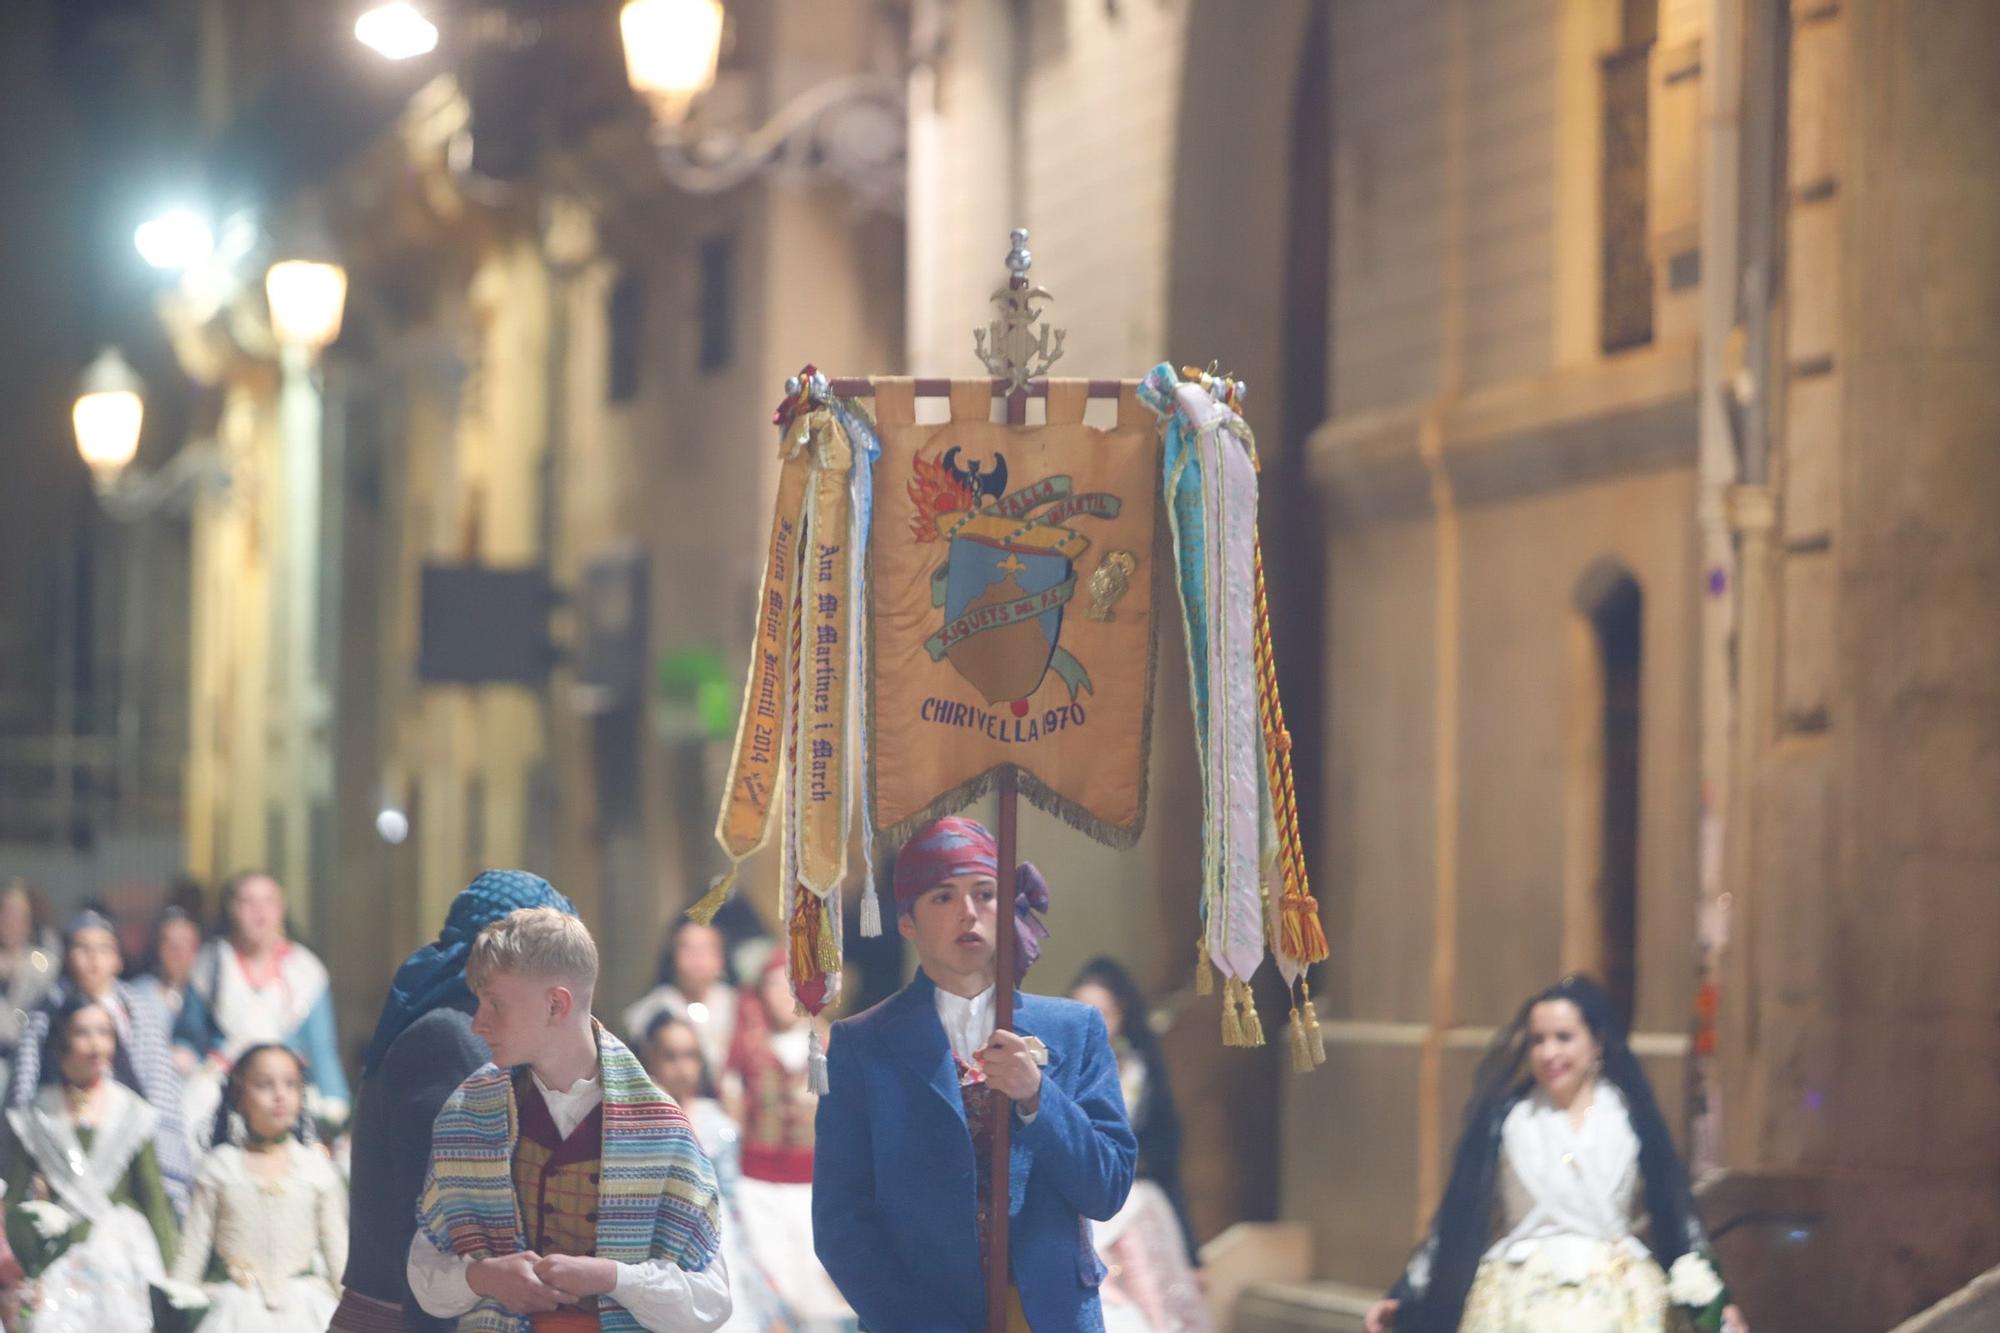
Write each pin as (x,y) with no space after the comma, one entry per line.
(1148,1246)
(673,1058)
(1564,1160)
(695,983)
(85,1145)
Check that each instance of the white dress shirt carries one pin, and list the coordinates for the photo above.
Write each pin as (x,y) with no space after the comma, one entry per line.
(968,1026)
(661,1295)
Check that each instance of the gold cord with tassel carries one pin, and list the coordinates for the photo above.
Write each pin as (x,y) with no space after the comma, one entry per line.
(1302,939)
(804,957)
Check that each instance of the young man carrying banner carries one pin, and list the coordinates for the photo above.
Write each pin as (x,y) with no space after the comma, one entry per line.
(566,1192)
(901,1185)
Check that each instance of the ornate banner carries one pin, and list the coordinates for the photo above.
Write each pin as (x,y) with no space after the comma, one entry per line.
(1012,582)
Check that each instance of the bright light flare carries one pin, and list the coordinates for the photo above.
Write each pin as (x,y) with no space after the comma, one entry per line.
(396,31)
(177,239)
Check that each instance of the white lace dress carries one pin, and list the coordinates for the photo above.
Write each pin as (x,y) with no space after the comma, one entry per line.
(1570,1199)
(283,1242)
(103,1281)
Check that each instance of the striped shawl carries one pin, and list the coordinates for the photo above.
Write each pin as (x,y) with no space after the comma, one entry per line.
(658,1196)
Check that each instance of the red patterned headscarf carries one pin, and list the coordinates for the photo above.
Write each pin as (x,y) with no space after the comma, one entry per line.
(955,846)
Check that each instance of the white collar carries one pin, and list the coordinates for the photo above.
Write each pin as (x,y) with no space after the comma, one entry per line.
(569,1107)
(967,1020)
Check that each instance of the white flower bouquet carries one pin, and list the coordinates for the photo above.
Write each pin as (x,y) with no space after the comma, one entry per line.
(1696,1288)
(39,1232)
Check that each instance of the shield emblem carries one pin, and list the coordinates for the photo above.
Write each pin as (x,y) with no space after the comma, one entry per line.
(989,583)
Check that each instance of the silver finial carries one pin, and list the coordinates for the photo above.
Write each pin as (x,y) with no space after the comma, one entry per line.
(1018,258)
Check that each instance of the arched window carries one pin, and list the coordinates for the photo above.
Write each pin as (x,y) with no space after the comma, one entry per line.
(1601,927)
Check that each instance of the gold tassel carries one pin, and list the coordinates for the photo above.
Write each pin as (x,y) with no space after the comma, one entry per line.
(804,954)
(1253,1027)
(1302,1061)
(1204,971)
(703,912)
(829,943)
(1232,1026)
(1315,1042)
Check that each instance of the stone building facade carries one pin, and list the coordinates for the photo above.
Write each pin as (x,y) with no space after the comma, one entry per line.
(1620,368)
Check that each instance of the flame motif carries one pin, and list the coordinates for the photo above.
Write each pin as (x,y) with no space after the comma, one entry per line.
(934,489)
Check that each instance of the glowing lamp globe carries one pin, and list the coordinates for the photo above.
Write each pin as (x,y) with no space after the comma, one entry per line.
(110,408)
(671,49)
(307,298)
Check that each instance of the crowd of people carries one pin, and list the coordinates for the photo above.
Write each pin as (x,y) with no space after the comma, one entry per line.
(179,1151)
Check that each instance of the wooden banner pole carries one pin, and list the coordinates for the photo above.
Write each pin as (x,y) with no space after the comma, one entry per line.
(1003,987)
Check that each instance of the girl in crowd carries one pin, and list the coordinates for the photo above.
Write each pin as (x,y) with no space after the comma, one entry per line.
(170,960)
(1148,1247)
(86,1143)
(767,1079)
(144,1060)
(673,1058)
(27,963)
(269,1207)
(1564,1159)
(254,985)
(696,983)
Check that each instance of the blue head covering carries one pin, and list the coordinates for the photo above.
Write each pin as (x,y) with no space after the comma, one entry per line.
(434,975)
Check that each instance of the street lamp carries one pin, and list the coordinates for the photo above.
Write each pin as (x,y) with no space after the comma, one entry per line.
(671,50)
(307,299)
(851,127)
(110,406)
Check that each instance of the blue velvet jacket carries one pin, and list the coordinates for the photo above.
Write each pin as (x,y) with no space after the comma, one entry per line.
(894,1189)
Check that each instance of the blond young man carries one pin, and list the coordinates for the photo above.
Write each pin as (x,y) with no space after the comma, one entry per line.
(566,1192)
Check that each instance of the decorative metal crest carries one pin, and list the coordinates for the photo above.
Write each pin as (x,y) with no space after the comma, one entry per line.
(1016,346)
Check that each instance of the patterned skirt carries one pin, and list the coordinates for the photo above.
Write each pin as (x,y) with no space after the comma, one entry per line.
(1569,1286)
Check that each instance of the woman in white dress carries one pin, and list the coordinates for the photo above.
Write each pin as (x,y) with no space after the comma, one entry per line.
(85,1144)
(694,983)
(674,1059)
(255,984)
(1565,1158)
(269,1218)
(1151,1284)
(767,1079)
